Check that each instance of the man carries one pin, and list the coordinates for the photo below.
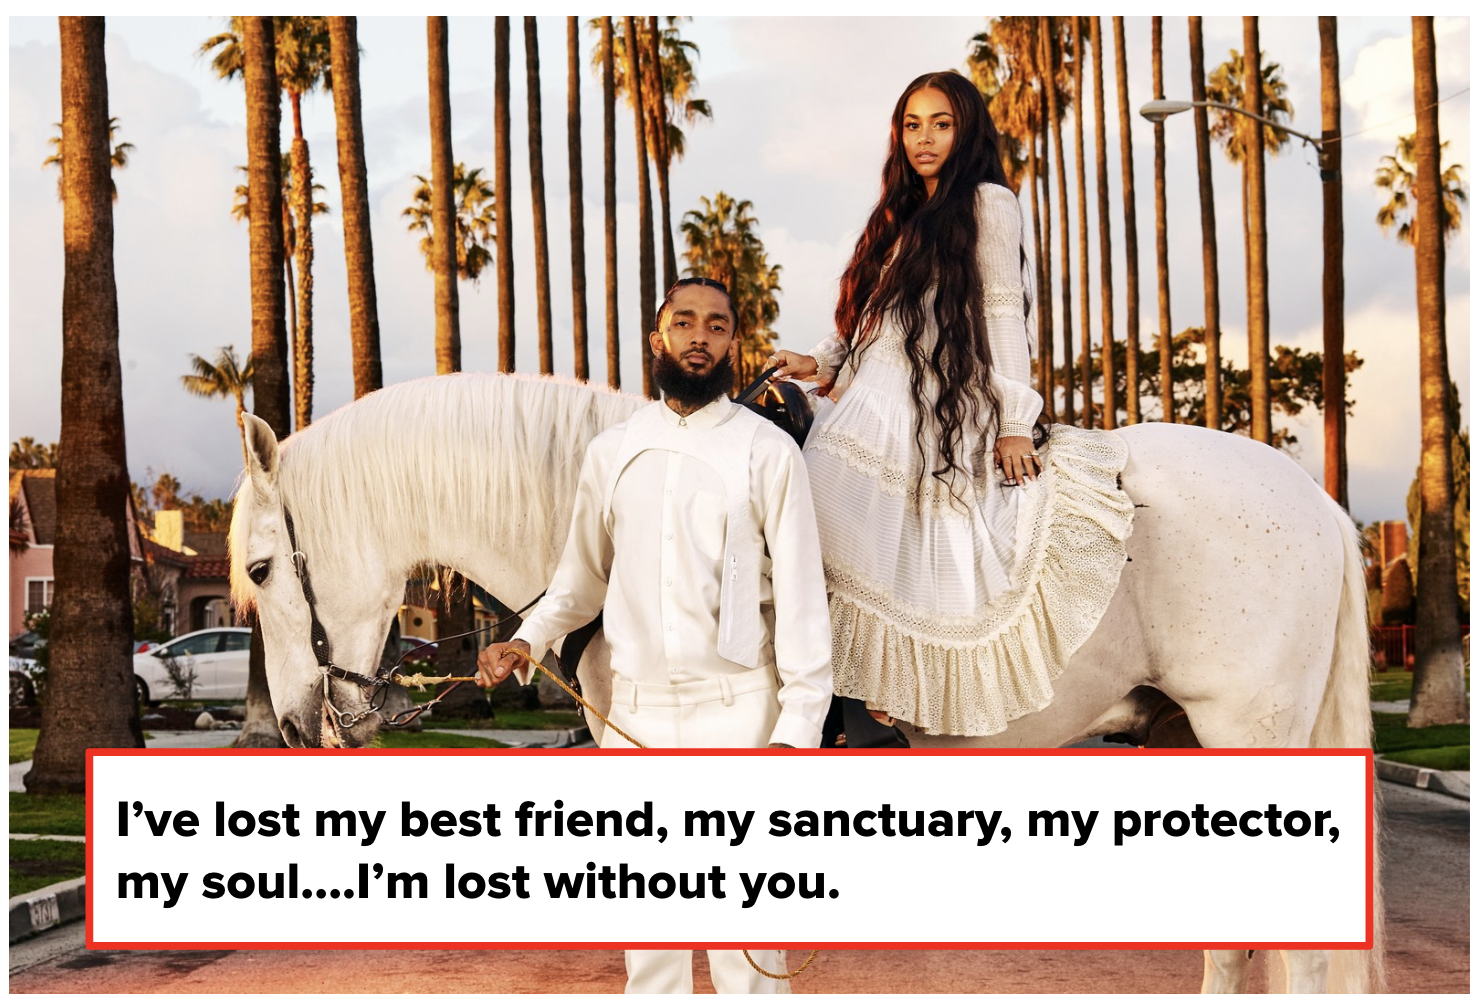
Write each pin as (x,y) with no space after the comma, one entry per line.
(693,527)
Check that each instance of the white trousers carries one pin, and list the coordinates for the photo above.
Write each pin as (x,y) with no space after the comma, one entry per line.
(734,712)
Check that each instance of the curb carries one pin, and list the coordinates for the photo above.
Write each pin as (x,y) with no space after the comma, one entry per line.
(1442,781)
(44,909)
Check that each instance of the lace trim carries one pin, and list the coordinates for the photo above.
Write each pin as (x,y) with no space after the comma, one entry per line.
(1001,301)
(928,496)
(973,674)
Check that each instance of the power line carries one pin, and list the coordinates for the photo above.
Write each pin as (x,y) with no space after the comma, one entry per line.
(1408,115)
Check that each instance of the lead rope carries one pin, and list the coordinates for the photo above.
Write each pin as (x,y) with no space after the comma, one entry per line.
(418,679)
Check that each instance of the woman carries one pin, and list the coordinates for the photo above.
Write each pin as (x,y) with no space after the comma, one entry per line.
(921,468)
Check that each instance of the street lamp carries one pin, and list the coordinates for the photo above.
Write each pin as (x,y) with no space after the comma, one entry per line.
(1157,111)
(1329,151)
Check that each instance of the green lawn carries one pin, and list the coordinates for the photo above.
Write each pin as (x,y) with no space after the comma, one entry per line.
(38,863)
(22,743)
(1448,745)
(434,740)
(54,815)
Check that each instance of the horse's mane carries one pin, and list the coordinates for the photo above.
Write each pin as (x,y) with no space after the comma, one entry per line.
(407,456)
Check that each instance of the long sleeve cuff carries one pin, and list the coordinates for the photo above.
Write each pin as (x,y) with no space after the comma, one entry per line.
(829,354)
(798,732)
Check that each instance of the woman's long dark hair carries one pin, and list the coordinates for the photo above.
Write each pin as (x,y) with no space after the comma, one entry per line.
(938,245)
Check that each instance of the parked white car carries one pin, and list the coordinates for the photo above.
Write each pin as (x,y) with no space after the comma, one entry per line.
(217,659)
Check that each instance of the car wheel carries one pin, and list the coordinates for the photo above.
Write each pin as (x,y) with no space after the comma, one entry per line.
(22,690)
(141,693)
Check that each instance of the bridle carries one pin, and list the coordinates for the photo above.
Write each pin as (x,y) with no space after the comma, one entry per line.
(375,687)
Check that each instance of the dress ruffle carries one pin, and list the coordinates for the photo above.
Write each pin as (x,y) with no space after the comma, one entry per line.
(971,673)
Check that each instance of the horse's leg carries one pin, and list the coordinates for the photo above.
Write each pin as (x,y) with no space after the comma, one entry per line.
(1306,971)
(1225,971)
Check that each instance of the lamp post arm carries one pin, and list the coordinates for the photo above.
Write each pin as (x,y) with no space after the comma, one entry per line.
(1316,143)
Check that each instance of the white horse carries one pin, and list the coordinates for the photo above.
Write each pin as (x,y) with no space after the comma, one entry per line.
(1244,604)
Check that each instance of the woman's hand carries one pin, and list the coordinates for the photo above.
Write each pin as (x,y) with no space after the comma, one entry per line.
(793,365)
(1017,458)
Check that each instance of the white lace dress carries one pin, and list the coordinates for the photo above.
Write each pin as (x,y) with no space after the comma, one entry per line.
(936,618)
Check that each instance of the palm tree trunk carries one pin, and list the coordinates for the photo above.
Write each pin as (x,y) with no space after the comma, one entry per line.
(578,213)
(269,337)
(1047,279)
(537,197)
(503,211)
(91,699)
(1160,236)
(1260,322)
(1085,236)
(289,300)
(658,101)
(303,339)
(609,202)
(1043,374)
(1129,217)
(365,323)
(646,293)
(1050,51)
(448,339)
(1213,406)
(1438,694)
(1334,379)
(1103,234)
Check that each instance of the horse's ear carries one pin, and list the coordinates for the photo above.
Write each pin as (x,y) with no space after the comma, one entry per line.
(262,454)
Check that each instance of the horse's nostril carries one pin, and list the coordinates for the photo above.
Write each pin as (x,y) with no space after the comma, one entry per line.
(290,733)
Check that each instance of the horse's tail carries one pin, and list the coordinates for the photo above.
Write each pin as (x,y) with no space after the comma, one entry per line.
(1345,721)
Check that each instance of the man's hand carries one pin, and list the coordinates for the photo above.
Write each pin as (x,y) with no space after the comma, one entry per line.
(497,661)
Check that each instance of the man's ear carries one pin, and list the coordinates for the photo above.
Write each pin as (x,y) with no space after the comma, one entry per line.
(656,343)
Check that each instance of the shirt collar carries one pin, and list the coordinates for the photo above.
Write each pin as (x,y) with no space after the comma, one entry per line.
(709,415)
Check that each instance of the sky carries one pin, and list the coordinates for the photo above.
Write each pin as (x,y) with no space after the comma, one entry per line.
(801,119)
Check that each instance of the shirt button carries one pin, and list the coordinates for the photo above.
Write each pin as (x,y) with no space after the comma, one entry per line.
(667,582)
(668,535)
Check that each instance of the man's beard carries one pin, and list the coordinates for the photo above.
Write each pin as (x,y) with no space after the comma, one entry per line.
(690,389)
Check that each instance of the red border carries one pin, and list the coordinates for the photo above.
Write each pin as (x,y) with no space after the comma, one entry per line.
(1368,942)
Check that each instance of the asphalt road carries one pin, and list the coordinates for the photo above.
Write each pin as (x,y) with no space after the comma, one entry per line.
(1426,879)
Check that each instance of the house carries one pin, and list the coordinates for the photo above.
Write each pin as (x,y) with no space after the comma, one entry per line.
(183,573)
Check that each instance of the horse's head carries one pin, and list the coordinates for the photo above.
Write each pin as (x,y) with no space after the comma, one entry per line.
(353,594)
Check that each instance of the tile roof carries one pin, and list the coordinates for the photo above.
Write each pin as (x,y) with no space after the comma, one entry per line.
(41,501)
(208,568)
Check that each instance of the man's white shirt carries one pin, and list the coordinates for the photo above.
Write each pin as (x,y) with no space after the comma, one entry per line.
(656,559)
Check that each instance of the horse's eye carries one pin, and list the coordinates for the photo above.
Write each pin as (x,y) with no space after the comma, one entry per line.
(258,572)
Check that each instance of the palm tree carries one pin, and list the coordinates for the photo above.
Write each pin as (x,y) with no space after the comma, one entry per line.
(118,161)
(1129,219)
(1395,177)
(1052,56)
(1438,694)
(1248,81)
(1213,393)
(667,65)
(1004,65)
(1078,59)
(1334,396)
(723,245)
(473,221)
(537,197)
(1160,235)
(578,211)
(269,338)
(301,46)
(448,341)
(646,293)
(1103,233)
(91,700)
(609,199)
(219,379)
(365,322)
(241,209)
(503,209)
